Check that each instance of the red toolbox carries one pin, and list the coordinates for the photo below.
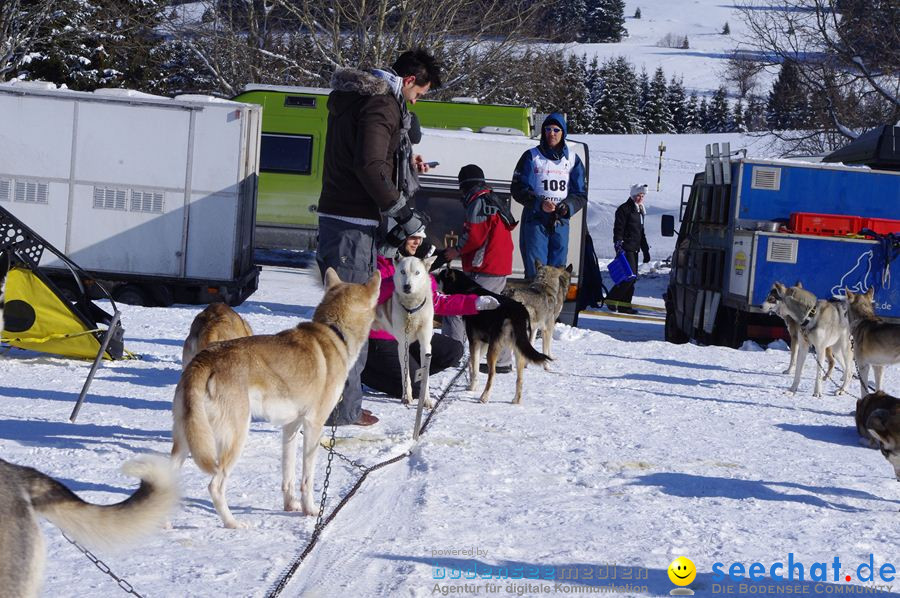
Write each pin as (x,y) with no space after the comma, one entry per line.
(807,223)
(882,226)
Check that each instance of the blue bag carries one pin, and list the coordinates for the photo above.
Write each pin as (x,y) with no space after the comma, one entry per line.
(620,270)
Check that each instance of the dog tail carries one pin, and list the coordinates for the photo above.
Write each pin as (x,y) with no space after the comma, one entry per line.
(522,331)
(191,428)
(116,525)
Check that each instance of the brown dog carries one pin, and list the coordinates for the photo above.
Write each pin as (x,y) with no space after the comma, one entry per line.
(292,379)
(218,322)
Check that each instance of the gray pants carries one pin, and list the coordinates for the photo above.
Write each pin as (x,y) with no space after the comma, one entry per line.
(455,328)
(350,250)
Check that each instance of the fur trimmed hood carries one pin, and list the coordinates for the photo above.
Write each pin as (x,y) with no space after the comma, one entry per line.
(361,82)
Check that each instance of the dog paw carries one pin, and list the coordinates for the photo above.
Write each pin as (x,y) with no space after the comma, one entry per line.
(788,371)
(429,404)
(484,398)
(235,524)
(293,505)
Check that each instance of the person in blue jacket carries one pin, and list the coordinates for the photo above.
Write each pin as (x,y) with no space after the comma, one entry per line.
(549,183)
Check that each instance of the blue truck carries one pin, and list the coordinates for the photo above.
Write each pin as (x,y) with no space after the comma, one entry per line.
(746,223)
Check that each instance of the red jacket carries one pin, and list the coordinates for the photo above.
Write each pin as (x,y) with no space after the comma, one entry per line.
(444,305)
(486,245)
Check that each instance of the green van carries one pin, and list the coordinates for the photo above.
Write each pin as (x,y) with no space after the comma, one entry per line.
(294,120)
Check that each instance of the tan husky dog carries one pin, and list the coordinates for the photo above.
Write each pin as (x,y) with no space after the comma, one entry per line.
(218,322)
(543,299)
(876,343)
(292,379)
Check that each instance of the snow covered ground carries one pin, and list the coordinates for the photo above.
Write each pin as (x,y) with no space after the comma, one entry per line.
(628,453)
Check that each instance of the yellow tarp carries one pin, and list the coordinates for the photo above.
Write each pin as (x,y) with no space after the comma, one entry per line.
(41,321)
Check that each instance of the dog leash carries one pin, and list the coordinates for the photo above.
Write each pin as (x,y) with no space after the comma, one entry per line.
(123,584)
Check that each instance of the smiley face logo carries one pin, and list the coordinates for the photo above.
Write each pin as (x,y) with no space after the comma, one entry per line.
(682,571)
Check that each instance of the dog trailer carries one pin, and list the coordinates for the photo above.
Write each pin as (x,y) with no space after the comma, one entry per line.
(747,223)
(155,197)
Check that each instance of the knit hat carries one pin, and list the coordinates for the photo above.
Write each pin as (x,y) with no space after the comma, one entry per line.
(470,173)
(638,189)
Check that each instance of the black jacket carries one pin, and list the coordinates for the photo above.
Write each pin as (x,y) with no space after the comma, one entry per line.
(629,228)
(365,128)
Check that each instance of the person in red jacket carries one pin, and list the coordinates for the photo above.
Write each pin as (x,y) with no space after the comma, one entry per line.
(485,247)
(382,371)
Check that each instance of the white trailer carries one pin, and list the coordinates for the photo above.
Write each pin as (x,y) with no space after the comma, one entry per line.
(156,197)
(497,155)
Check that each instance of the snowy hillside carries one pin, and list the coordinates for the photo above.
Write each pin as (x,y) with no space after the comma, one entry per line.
(702,21)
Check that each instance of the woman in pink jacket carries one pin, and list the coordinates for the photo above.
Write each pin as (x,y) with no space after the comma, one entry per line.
(382,371)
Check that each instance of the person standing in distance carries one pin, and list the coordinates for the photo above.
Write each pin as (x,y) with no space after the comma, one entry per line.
(628,236)
(549,182)
(369,175)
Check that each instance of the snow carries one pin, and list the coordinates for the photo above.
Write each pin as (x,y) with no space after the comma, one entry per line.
(703,64)
(628,453)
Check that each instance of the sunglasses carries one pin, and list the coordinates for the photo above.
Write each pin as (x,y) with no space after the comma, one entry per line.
(553,129)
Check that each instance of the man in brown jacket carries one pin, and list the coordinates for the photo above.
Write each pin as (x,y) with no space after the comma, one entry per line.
(369,174)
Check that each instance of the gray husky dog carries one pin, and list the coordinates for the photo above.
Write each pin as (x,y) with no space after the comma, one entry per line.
(823,326)
(26,493)
(876,343)
(774,305)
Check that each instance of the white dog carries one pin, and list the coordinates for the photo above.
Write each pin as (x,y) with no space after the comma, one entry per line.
(409,315)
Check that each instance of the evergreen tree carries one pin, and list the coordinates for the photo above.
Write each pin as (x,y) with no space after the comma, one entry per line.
(644,92)
(657,117)
(719,114)
(617,109)
(788,103)
(703,116)
(737,118)
(755,115)
(576,101)
(676,103)
(637,13)
(692,122)
(726,30)
(564,21)
(685,45)
(595,84)
(604,21)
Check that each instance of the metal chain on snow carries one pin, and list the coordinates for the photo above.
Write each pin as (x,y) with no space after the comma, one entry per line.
(124,585)
(317,530)
(289,572)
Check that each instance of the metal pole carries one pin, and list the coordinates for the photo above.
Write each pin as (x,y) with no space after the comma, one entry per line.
(423,393)
(87,383)
(662,148)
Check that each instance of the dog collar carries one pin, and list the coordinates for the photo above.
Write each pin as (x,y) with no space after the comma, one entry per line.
(809,316)
(415,309)
(338,332)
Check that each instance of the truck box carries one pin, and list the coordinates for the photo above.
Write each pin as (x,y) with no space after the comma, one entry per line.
(155,196)
(723,268)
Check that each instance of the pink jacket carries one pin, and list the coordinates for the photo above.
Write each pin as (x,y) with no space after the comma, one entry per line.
(444,305)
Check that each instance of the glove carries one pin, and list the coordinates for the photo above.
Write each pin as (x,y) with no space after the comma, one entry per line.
(486,302)
(646,256)
(618,246)
(562,210)
(408,222)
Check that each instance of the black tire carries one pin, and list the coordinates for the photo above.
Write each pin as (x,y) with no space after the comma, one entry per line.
(673,333)
(133,294)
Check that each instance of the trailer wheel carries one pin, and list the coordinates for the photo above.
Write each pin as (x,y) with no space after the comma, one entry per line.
(133,294)
(673,333)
